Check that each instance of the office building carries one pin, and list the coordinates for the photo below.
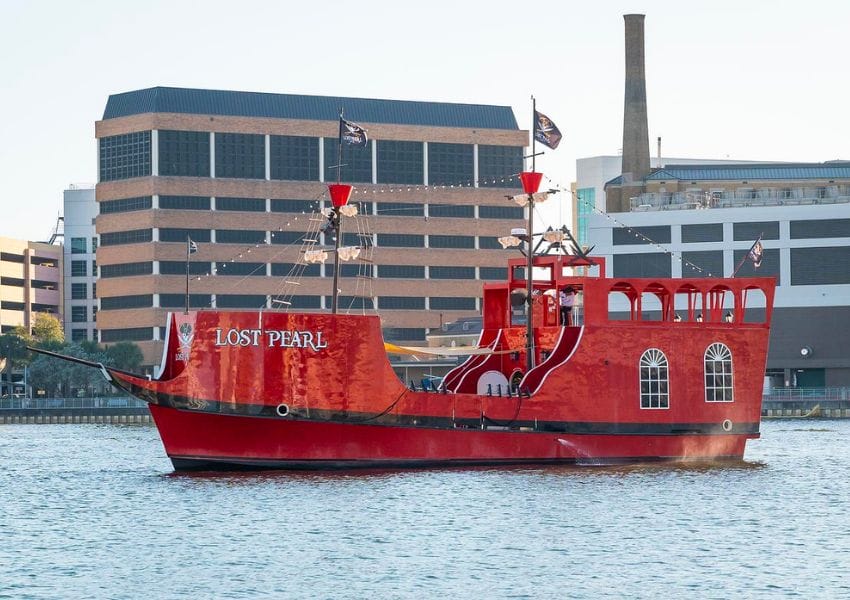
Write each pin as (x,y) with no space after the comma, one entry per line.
(30,283)
(709,216)
(242,174)
(80,289)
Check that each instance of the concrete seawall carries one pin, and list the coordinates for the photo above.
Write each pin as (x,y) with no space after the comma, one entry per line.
(74,415)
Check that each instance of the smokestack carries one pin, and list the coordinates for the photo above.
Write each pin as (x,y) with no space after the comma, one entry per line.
(635,130)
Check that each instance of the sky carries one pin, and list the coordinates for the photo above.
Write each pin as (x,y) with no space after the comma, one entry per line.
(751,80)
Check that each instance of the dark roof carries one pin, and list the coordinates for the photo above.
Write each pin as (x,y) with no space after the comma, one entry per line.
(752,171)
(318,108)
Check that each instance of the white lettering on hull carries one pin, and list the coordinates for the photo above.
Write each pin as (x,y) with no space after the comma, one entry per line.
(274,338)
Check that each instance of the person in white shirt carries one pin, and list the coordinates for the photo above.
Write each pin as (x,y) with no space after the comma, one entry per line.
(566,299)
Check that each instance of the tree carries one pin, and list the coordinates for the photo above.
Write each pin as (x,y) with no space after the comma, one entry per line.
(125,355)
(58,377)
(47,331)
(13,354)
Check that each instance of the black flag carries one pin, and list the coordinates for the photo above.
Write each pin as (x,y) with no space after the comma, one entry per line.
(756,253)
(352,134)
(545,131)
(191,247)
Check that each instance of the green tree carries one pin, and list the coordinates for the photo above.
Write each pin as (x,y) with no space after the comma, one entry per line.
(47,331)
(60,377)
(13,353)
(125,355)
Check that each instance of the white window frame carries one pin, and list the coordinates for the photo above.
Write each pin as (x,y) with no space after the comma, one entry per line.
(719,355)
(658,373)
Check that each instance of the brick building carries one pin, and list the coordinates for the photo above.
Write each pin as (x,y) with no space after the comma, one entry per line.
(242,174)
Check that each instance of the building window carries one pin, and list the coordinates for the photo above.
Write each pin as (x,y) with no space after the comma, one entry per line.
(294,158)
(400,162)
(401,303)
(184,153)
(356,160)
(295,270)
(240,155)
(79,314)
(489,243)
(648,264)
(170,234)
(241,204)
(351,302)
(79,291)
(78,246)
(657,234)
(179,300)
(401,272)
(493,273)
(289,237)
(79,335)
(133,334)
(400,209)
(94,268)
(750,232)
(136,236)
(453,211)
(184,202)
(294,206)
(452,303)
(654,380)
(450,164)
(501,212)
(240,301)
(178,267)
(401,240)
(451,241)
(122,302)
(451,272)
(396,334)
(247,269)
(702,232)
(499,166)
(126,269)
(79,268)
(297,302)
(125,156)
(124,205)
(357,270)
(239,236)
(718,373)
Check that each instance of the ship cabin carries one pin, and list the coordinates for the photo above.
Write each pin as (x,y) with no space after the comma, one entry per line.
(600,302)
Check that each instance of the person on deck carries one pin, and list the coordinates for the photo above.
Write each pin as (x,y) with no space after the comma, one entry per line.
(566,299)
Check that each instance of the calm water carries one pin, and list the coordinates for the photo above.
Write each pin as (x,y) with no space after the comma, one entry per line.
(95,511)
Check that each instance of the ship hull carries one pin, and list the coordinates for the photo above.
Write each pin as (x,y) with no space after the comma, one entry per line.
(206,441)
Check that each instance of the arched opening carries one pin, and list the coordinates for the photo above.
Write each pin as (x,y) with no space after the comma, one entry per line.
(688,303)
(753,305)
(622,302)
(655,303)
(721,305)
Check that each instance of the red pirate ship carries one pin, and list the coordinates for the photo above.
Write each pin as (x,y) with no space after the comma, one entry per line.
(274,389)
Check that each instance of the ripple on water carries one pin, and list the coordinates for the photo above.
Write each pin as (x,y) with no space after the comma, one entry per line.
(95,511)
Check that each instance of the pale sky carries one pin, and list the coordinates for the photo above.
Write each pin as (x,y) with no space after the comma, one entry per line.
(750,80)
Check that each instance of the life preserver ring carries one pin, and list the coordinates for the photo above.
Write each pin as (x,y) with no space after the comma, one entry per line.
(726,425)
(282,409)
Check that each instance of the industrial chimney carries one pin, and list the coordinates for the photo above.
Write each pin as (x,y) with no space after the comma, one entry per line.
(635,130)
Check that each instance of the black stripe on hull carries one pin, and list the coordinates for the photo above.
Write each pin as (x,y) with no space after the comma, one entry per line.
(191,463)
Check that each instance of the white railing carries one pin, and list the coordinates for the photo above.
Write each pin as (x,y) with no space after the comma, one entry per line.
(690,200)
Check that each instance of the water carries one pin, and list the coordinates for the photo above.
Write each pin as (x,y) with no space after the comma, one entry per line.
(90,511)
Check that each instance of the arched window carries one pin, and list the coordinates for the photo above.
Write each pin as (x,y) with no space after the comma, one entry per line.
(718,373)
(654,380)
